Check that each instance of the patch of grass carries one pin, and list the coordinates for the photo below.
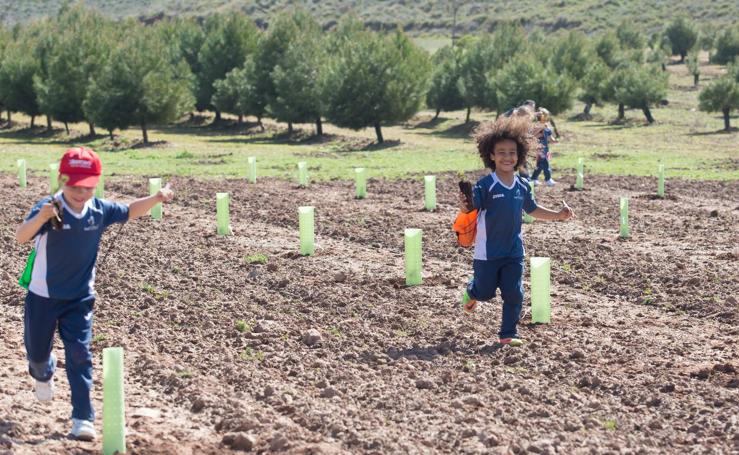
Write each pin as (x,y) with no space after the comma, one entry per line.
(610,424)
(185,374)
(99,338)
(242,326)
(250,355)
(258,258)
(184,155)
(335,332)
(154,292)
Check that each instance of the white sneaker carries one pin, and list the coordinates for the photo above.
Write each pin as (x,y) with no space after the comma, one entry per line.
(536,183)
(83,430)
(551,182)
(44,390)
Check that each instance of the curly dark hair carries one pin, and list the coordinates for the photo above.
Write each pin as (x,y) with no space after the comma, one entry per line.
(517,129)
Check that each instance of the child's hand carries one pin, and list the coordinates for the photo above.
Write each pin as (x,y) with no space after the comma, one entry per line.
(566,213)
(47,212)
(165,194)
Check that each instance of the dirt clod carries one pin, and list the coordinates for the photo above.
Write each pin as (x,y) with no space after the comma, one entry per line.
(311,337)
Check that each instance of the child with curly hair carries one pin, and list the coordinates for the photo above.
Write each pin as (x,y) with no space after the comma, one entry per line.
(500,198)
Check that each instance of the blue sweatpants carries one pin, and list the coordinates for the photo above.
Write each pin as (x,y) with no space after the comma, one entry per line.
(506,274)
(542,165)
(74,320)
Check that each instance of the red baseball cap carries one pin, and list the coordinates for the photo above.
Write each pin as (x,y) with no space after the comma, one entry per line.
(80,166)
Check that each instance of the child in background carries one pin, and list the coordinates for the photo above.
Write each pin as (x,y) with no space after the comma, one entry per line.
(500,197)
(60,293)
(545,135)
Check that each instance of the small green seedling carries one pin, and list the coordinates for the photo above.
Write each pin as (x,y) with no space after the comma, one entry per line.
(258,258)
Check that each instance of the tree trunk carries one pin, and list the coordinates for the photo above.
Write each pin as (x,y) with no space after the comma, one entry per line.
(9,117)
(378,131)
(664,67)
(621,111)
(259,122)
(241,119)
(33,121)
(727,126)
(319,127)
(437,113)
(218,117)
(48,123)
(146,134)
(648,114)
(696,77)
(92,129)
(682,57)
(588,106)
(467,119)
(110,133)
(289,127)
(66,128)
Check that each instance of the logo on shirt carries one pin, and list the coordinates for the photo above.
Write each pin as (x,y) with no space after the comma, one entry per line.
(66,227)
(91,226)
(496,196)
(518,194)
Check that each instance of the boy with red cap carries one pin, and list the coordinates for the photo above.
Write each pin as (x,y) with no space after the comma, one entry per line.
(60,292)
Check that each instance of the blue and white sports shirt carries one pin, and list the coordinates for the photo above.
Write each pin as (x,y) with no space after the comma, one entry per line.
(64,268)
(499,218)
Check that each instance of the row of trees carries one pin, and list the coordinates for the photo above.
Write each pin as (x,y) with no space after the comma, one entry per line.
(80,67)
(620,67)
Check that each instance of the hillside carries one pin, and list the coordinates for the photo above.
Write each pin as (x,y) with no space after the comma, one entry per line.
(428,17)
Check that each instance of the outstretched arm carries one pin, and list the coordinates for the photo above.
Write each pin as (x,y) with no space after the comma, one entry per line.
(140,207)
(543,213)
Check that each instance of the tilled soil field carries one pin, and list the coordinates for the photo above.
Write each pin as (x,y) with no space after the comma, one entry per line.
(334,354)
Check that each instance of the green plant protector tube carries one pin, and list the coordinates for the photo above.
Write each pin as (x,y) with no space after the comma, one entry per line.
(307,230)
(303,174)
(154,186)
(580,174)
(528,219)
(624,229)
(114,415)
(252,170)
(222,216)
(430,192)
(540,298)
(53,178)
(360,176)
(22,182)
(413,259)
(100,188)
(661,180)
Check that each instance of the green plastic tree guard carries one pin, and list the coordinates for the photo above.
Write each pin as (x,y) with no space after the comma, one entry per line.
(53,178)
(303,174)
(114,409)
(307,230)
(661,180)
(22,182)
(624,230)
(154,186)
(252,171)
(360,175)
(580,174)
(540,297)
(413,257)
(100,188)
(222,216)
(430,192)
(526,217)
